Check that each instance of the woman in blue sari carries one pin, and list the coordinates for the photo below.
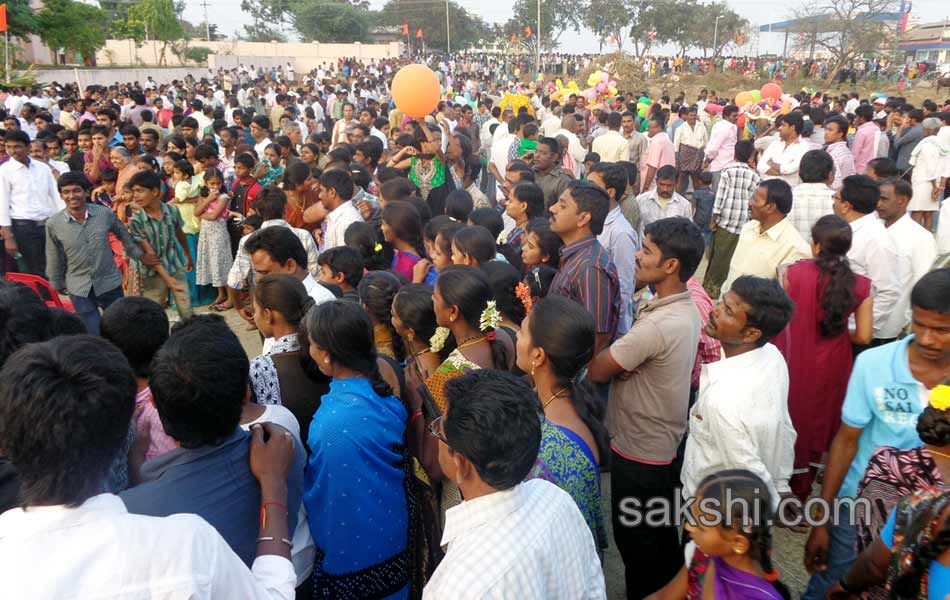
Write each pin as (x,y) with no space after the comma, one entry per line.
(355,481)
(556,341)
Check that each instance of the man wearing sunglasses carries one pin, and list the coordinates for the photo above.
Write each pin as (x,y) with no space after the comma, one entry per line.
(509,537)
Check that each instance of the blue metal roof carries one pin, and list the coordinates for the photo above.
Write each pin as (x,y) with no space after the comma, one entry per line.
(823,22)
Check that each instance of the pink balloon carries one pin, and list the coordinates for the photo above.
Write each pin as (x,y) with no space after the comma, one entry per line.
(713,108)
(601,87)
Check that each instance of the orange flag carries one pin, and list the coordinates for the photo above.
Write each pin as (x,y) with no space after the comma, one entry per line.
(419,33)
(527,31)
(514,38)
(405,29)
(3,17)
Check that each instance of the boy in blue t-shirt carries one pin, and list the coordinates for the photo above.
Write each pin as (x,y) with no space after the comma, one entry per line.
(887,391)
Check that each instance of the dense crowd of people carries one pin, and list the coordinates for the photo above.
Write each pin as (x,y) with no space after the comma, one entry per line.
(466,321)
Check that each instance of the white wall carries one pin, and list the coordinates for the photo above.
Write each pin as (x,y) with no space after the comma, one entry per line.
(87,77)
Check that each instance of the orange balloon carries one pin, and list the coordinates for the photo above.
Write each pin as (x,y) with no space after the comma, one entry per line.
(772,91)
(416,90)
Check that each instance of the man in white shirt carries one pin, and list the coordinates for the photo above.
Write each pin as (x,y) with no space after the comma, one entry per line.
(485,135)
(28,196)
(740,419)
(813,198)
(570,124)
(873,253)
(783,156)
(498,157)
(63,447)
(551,122)
(720,148)
(260,131)
(510,537)
(915,245)
(662,201)
(611,146)
(336,193)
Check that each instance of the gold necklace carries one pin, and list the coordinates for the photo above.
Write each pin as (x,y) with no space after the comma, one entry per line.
(421,352)
(932,451)
(553,397)
(472,342)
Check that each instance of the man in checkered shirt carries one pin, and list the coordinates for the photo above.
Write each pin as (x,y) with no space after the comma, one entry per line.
(510,538)
(731,211)
(813,198)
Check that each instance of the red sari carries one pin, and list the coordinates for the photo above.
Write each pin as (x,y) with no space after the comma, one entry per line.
(818,369)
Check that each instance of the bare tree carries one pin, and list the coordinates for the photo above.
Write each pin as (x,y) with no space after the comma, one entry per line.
(845,29)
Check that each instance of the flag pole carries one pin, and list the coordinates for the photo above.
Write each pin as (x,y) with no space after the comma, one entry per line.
(6,55)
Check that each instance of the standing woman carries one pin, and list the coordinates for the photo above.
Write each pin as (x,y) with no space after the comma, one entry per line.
(310,155)
(402,229)
(298,185)
(214,242)
(816,343)
(354,484)
(270,171)
(555,343)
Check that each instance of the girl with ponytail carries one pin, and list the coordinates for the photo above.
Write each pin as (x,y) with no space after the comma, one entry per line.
(731,542)
(555,342)
(816,343)
(354,486)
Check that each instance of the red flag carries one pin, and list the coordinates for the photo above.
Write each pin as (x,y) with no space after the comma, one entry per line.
(739,39)
(419,33)
(652,34)
(527,31)
(405,29)
(514,38)
(3,17)
(613,39)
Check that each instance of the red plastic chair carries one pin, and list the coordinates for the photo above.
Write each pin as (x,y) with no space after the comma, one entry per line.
(41,286)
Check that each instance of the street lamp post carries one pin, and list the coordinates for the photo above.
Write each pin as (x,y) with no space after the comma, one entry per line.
(716,35)
(448,34)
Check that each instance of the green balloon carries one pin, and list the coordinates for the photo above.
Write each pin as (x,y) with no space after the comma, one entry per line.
(757,95)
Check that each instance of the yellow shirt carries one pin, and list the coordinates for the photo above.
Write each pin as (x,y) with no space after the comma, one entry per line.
(761,253)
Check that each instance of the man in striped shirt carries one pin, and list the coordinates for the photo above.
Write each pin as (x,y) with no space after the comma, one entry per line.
(836,144)
(737,184)
(586,274)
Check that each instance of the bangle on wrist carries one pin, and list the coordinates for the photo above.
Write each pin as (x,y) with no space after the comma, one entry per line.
(270,538)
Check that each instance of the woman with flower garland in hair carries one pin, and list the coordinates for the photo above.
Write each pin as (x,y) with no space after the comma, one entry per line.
(555,343)
(466,315)
(893,474)
(730,552)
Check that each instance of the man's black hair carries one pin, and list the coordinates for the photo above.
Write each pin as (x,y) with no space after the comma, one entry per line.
(779,193)
(591,199)
(679,238)
(861,192)
(147,179)
(138,327)
(666,173)
(344,260)
(65,409)
(884,167)
(199,381)
(796,120)
(340,181)
(931,293)
(280,243)
(489,218)
(770,307)
(495,423)
(816,167)
(614,176)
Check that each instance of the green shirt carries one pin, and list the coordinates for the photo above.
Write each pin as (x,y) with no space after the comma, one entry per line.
(160,233)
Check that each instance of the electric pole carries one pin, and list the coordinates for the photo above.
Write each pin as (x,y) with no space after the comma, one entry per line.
(204,3)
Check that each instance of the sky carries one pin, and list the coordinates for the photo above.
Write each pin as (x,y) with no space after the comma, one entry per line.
(228,16)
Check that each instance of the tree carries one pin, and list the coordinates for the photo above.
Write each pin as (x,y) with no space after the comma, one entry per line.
(198,31)
(704,33)
(845,29)
(21,21)
(651,23)
(556,17)
(326,21)
(467,29)
(267,17)
(608,18)
(72,26)
(160,22)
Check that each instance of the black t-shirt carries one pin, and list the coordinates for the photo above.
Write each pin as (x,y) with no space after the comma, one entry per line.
(9,485)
